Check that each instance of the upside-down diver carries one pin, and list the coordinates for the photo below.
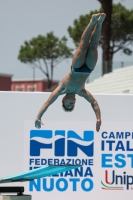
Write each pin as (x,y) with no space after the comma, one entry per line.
(83,63)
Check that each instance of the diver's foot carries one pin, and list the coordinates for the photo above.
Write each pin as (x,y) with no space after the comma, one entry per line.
(101,18)
(95,17)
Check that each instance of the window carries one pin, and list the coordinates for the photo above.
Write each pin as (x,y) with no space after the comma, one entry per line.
(19,88)
(31,88)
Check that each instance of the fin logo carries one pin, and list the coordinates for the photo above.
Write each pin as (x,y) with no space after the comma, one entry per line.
(44,139)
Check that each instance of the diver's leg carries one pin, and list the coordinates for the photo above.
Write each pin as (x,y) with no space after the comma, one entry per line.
(92,55)
(80,54)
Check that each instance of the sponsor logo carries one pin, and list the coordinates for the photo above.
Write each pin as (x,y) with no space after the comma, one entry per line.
(44,139)
(59,147)
(114,181)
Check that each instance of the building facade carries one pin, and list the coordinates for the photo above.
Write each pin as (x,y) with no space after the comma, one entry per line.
(24,85)
(28,85)
(5,82)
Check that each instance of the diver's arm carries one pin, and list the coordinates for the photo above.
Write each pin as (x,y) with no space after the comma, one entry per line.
(53,96)
(88,96)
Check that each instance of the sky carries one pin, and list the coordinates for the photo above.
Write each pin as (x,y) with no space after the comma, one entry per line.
(25,19)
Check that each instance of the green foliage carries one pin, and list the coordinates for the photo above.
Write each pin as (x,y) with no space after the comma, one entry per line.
(49,49)
(121,28)
(79,25)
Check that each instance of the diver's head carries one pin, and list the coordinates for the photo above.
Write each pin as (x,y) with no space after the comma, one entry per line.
(68,102)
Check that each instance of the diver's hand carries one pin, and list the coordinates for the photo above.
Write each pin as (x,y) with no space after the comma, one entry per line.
(98,124)
(38,123)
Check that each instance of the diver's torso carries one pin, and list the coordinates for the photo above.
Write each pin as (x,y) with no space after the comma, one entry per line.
(73,82)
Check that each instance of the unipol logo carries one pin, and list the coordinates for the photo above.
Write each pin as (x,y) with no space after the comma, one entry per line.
(56,140)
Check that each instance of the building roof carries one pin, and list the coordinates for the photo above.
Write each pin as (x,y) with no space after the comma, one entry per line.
(117,82)
(6,75)
(30,79)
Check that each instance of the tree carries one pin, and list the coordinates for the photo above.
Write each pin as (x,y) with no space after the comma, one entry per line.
(121,30)
(45,52)
(121,33)
(106,36)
